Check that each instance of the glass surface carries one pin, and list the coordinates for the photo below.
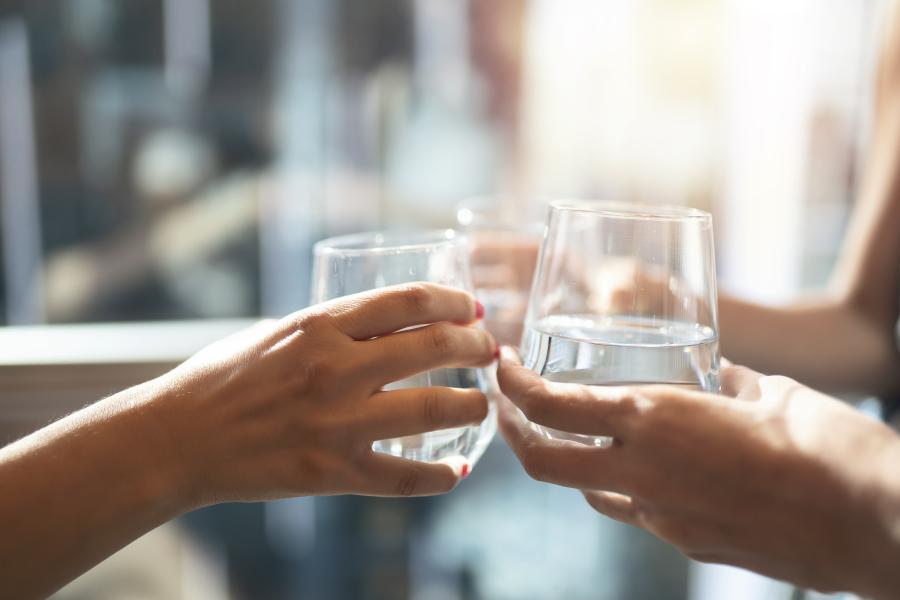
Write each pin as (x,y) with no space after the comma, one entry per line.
(624,294)
(357,263)
(504,239)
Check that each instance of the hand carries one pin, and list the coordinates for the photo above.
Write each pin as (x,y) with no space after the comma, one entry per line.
(776,477)
(292,407)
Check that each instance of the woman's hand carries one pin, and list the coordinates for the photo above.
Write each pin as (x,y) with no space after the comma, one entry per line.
(292,407)
(776,478)
(288,408)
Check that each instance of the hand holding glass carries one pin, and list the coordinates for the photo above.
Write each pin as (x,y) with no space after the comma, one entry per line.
(624,294)
(357,263)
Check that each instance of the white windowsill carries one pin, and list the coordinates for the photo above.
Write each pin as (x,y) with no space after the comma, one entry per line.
(111,343)
(48,371)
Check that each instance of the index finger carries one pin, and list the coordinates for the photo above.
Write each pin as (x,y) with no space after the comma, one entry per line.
(565,406)
(563,463)
(386,310)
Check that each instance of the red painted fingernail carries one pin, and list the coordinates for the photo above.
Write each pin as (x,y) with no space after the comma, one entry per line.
(465,470)
(497,352)
(479,310)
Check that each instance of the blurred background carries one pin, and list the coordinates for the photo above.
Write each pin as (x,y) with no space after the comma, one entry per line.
(176,159)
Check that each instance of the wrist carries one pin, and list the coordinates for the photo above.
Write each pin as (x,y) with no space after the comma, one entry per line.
(161,433)
(85,486)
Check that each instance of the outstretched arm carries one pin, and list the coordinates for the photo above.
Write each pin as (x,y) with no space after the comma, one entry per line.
(289,408)
(80,489)
(845,338)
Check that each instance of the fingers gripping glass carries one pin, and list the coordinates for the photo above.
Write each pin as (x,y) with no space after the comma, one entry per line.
(624,294)
(357,263)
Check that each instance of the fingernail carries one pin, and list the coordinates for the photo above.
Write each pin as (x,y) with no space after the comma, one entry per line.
(497,352)
(464,472)
(479,310)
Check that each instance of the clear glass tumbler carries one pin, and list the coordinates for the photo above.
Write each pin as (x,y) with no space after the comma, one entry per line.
(624,294)
(356,263)
(504,241)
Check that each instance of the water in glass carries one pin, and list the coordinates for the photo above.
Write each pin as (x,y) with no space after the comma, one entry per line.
(623,295)
(620,351)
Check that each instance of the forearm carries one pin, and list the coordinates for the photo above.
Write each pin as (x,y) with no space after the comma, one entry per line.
(846,340)
(826,343)
(82,488)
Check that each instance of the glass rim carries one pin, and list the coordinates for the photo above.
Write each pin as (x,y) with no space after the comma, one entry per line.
(627,210)
(386,242)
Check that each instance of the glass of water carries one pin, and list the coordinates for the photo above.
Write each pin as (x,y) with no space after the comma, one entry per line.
(357,263)
(504,244)
(624,294)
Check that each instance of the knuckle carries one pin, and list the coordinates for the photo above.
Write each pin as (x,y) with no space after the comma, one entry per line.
(417,299)
(505,383)
(533,463)
(480,401)
(440,339)
(739,370)
(736,372)
(639,399)
(433,412)
(537,404)
(776,390)
(508,422)
(638,404)
(312,373)
(408,483)
(308,320)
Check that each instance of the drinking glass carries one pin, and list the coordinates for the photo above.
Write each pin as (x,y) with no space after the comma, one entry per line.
(356,263)
(624,294)
(504,243)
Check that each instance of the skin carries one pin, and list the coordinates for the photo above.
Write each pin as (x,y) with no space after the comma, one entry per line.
(289,408)
(771,476)
(839,339)
(860,307)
